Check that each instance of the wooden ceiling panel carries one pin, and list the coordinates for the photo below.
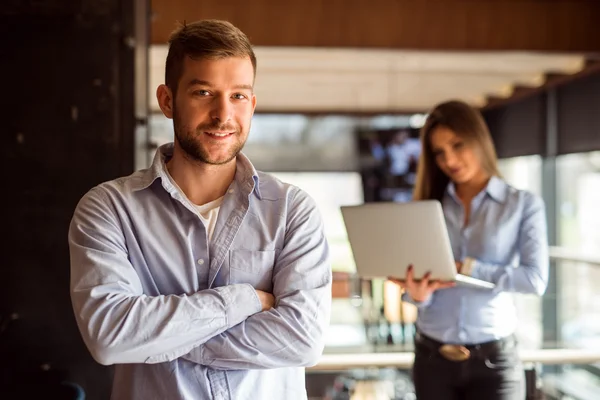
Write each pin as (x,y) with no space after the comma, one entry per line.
(544,25)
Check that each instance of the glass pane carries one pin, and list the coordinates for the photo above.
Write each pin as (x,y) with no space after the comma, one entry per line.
(578,199)
(578,187)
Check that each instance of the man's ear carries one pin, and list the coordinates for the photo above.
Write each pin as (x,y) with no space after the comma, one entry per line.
(165,100)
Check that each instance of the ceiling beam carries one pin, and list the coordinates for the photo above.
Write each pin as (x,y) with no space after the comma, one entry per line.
(538,25)
(551,80)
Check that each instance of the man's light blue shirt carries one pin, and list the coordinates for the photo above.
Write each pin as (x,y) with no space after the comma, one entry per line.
(507,236)
(179,315)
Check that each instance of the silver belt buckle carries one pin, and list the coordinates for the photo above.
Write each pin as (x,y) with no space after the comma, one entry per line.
(454,352)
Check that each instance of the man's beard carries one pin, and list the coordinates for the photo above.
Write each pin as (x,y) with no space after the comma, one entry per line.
(192,147)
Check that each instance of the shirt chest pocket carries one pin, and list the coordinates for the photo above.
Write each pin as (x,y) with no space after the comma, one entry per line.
(253,267)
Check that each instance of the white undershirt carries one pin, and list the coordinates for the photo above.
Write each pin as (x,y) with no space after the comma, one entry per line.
(208,212)
(208,215)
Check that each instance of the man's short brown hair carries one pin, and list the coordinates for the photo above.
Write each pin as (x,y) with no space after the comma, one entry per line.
(206,39)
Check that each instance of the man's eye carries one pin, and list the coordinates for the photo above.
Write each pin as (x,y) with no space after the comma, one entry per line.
(239,96)
(201,92)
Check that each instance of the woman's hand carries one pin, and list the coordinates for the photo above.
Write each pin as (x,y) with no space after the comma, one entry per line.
(420,290)
(459,266)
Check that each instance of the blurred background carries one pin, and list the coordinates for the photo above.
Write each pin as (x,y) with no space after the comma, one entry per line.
(343,88)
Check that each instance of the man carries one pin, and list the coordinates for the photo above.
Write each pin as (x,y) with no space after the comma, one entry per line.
(200,278)
(402,151)
(401,156)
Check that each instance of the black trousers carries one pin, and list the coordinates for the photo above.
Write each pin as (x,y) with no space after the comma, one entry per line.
(493,372)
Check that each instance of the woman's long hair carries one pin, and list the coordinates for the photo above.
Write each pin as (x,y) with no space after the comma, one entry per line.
(467,123)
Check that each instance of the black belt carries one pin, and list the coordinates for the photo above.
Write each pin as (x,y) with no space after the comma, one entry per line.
(462,352)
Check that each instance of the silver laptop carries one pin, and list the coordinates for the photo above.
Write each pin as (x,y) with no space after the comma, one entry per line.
(388,237)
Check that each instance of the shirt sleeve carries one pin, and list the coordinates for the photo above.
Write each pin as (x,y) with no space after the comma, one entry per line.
(420,304)
(118,323)
(291,333)
(531,275)
(378,151)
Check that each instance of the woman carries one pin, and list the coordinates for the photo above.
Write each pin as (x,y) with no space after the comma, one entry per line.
(465,346)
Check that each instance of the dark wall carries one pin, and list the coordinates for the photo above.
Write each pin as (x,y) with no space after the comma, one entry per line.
(67,124)
(578,114)
(521,128)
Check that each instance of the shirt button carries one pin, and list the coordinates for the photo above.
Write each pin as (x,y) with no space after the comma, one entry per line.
(200,261)
(230,190)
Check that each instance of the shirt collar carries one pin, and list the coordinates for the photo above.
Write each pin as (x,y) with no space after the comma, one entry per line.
(246,176)
(496,189)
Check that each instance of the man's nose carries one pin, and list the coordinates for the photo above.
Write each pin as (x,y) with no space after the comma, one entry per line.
(221,110)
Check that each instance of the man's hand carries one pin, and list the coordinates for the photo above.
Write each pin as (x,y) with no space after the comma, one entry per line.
(420,290)
(267,300)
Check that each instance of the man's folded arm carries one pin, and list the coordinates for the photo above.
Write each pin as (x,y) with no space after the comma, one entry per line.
(119,324)
(291,333)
